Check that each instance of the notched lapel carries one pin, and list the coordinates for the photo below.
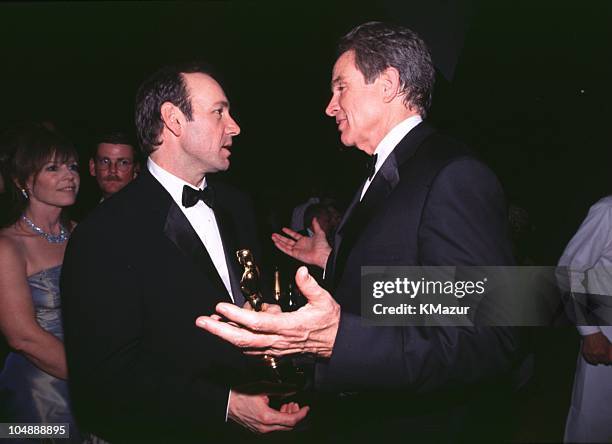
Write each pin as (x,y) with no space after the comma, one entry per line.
(352,225)
(360,213)
(181,233)
(387,178)
(380,188)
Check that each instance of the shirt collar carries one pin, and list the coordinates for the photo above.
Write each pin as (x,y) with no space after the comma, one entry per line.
(173,185)
(393,137)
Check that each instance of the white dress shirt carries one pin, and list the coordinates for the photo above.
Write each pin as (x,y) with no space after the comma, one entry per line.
(200,216)
(388,144)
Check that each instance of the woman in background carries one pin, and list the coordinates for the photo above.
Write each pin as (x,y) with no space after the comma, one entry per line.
(43,178)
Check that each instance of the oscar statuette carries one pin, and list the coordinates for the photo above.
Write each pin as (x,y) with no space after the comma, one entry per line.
(280,370)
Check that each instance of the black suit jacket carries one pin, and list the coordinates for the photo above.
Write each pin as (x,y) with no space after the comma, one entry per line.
(135,278)
(431,203)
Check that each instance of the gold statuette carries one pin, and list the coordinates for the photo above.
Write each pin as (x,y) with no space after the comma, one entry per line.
(250,281)
(281,370)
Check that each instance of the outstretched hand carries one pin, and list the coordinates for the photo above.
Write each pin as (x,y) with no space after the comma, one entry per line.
(310,250)
(311,329)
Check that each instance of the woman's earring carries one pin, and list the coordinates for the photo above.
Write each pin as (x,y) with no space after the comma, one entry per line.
(25,194)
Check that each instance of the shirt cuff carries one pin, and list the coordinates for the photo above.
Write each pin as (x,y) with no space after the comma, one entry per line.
(586,330)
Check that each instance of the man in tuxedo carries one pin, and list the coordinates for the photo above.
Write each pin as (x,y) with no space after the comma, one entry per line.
(426,201)
(139,270)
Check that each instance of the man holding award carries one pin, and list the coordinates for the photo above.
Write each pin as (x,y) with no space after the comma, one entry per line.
(146,263)
(426,201)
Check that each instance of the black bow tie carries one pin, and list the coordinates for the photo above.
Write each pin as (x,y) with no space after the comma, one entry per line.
(191,196)
(371,166)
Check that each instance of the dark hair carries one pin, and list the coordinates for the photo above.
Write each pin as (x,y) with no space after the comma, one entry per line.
(378,46)
(30,147)
(165,85)
(114,137)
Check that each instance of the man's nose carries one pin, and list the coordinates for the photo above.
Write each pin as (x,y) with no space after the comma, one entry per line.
(332,107)
(232,127)
(112,166)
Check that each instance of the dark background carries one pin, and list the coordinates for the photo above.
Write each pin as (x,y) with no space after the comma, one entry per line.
(526,84)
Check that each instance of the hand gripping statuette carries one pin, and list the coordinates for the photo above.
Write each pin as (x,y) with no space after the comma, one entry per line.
(280,370)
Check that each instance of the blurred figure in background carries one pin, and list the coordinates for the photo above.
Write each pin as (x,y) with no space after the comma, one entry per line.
(327,217)
(43,178)
(588,258)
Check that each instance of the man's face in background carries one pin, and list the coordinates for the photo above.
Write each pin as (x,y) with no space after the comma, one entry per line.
(113,167)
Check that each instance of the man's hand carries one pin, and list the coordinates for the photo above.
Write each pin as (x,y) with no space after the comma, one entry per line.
(254,413)
(311,329)
(268,308)
(310,250)
(596,349)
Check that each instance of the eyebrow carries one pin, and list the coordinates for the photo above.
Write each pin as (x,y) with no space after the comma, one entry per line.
(223,103)
(336,80)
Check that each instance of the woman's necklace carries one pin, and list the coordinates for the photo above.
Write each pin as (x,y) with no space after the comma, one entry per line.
(51,238)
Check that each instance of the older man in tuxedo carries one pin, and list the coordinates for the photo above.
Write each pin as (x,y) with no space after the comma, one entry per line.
(427,201)
(141,268)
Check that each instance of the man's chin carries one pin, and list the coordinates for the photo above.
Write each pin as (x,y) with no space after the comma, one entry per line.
(346,140)
(223,165)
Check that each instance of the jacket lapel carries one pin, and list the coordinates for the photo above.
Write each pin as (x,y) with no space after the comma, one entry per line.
(383,184)
(178,229)
(330,267)
(359,214)
(228,232)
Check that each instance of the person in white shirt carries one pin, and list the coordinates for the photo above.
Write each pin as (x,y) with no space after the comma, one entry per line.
(588,261)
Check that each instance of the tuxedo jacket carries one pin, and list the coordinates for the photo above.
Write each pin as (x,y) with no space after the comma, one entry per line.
(431,203)
(135,277)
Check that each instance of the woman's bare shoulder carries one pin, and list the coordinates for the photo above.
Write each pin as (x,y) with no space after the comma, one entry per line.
(11,245)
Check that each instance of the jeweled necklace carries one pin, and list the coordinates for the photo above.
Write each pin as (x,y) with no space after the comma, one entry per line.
(51,238)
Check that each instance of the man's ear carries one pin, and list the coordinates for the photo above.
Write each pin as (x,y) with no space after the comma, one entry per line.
(391,84)
(92,167)
(172,118)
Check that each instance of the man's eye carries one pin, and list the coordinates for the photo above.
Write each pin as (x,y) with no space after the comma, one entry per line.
(218,111)
(125,162)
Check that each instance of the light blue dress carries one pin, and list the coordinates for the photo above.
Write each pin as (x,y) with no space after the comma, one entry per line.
(28,394)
